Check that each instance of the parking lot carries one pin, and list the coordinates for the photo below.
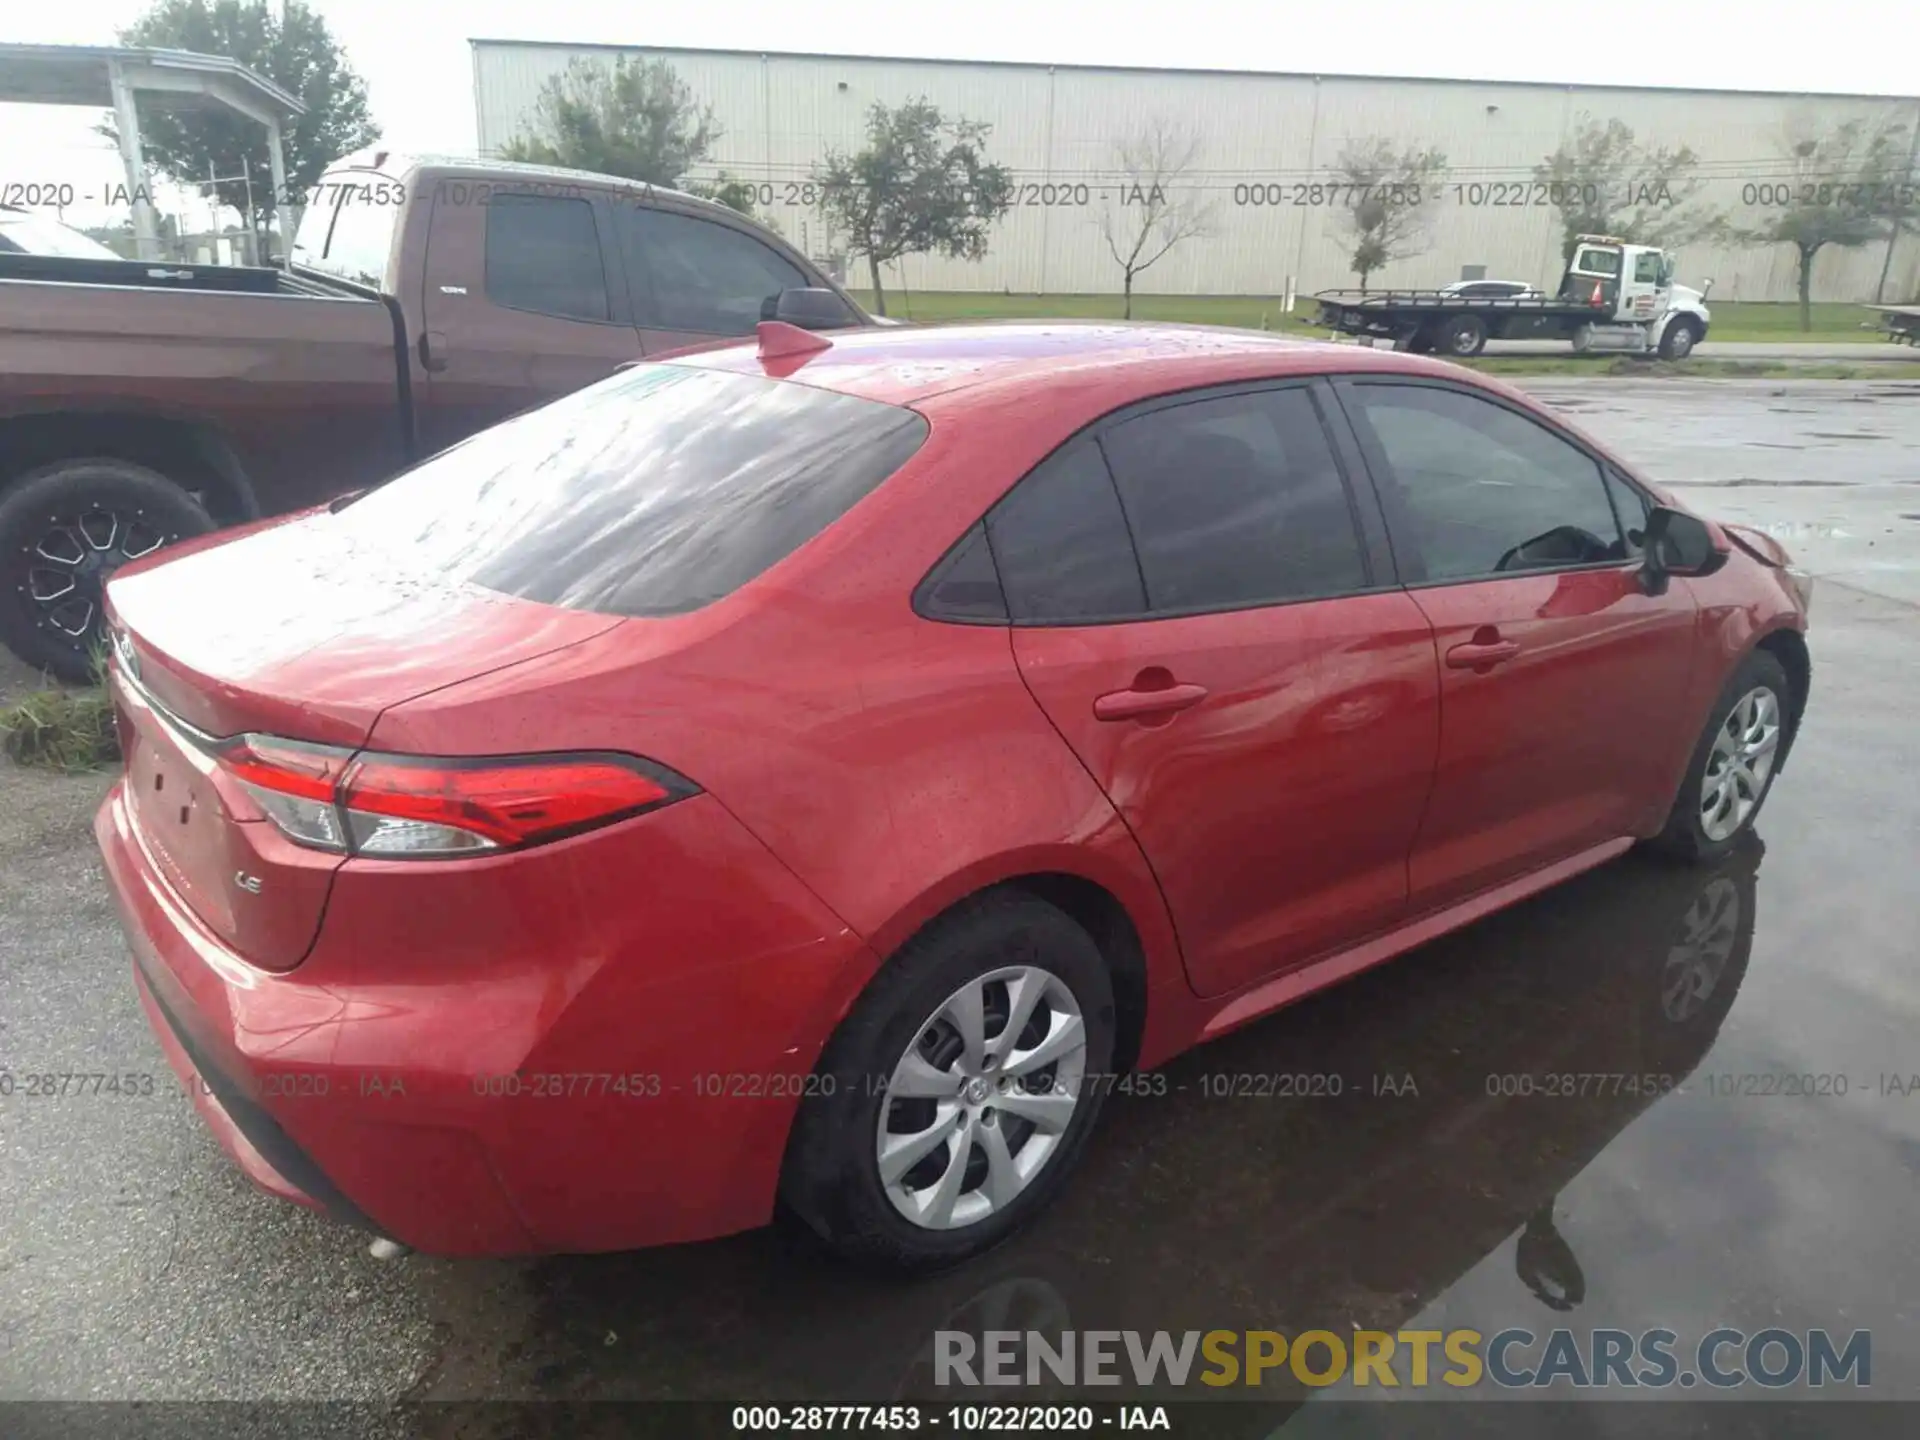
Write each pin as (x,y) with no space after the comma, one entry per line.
(137,1264)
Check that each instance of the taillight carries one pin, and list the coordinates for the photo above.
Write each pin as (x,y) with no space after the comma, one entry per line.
(410,805)
(294,783)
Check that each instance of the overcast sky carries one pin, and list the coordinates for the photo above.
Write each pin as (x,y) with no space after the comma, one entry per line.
(415,58)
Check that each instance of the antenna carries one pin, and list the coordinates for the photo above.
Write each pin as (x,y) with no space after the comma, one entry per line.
(778,340)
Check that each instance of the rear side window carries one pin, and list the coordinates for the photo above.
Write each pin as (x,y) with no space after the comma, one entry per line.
(1598,262)
(1061,543)
(543,254)
(654,492)
(693,274)
(1235,501)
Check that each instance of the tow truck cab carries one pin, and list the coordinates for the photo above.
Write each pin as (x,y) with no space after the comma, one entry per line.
(1634,284)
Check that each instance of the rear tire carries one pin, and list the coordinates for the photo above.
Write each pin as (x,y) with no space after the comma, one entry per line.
(64,529)
(1731,771)
(1462,336)
(902,1032)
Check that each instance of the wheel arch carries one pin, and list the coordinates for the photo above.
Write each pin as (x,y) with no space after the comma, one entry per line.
(191,452)
(1125,916)
(1789,647)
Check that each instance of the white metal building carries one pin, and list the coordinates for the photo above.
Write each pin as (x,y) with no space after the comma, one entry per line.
(1266,144)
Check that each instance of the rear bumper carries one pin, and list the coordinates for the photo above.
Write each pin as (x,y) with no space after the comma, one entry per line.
(427,1076)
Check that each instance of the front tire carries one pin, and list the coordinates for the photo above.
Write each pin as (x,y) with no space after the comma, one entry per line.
(1732,767)
(64,529)
(1678,339)
(955,1099)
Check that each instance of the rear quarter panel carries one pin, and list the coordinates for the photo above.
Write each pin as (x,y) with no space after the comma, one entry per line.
(895,764)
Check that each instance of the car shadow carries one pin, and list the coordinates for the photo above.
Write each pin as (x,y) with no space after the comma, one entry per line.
(1336,1166)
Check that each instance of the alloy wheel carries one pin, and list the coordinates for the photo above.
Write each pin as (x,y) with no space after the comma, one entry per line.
(1738,765)
(68,567)
(982,1098)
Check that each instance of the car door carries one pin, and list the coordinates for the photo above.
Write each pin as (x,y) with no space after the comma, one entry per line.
(521,306)
(1197,609)
(1562,680)
(695,279)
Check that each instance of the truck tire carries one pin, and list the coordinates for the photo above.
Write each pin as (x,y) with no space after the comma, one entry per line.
(1679,338)
(64,529)
(1462,336)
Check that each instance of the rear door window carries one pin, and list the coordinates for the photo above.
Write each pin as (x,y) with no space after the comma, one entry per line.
(1235,501)
(655,492)
(543,254)
(698,275)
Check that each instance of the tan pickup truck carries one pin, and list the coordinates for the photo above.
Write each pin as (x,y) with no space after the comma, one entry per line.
(424,299)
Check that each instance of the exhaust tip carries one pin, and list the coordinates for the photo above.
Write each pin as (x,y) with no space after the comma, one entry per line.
(384,1249)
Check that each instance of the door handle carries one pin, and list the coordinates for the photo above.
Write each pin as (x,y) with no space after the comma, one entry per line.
(1481,655)
(430,343)
(1147,704)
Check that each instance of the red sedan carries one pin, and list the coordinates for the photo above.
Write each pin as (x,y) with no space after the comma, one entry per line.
(814,775)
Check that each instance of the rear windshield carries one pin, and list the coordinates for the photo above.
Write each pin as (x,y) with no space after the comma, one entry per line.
(348,224)
(655,492)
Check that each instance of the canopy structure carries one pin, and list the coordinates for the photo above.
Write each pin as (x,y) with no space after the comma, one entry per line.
(110,77)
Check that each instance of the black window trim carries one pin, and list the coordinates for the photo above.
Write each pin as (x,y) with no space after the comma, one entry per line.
(640,274)
(1377,561)
(1406,550)
(924,604)
(613,269)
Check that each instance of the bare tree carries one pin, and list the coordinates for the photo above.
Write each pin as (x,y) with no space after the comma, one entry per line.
(1145,219)
(1388,211)
(1842,187)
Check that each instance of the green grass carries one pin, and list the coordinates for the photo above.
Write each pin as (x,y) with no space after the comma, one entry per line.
(1732,320)
(1764,321)
(64,730)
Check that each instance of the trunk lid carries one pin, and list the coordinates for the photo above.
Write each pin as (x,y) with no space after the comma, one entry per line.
(290,631)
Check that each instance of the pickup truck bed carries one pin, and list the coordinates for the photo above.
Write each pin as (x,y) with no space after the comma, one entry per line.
(142,402)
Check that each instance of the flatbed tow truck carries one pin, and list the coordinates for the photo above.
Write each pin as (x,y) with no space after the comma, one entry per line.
(1901,322)
(1614,296)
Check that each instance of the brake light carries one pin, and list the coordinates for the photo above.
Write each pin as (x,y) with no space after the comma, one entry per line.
(410,805)
(294,783)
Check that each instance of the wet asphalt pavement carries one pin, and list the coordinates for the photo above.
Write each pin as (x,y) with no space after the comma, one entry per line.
(136,1264)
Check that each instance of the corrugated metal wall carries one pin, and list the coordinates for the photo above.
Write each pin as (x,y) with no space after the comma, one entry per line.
(1266,145)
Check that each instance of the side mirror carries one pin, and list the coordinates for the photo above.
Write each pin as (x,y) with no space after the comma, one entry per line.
(812,307)
(1706,287)
(1676,543)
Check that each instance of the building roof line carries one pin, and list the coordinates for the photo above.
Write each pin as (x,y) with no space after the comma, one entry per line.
(477,42)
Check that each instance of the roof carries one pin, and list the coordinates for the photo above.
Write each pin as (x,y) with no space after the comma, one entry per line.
(909,365)
(1042,65)
(397,162)
(80,75)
